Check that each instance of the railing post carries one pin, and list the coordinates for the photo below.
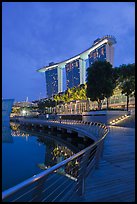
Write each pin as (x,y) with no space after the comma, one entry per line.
(102,148)
(94,130)
(38,192)
(80,187)
(98,154)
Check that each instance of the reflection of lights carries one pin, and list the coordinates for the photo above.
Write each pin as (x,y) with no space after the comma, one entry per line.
(60,151)
(18,133)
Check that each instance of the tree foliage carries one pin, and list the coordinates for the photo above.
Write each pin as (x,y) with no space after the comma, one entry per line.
(42,104)
(75,93)
(126,80)
(100,81)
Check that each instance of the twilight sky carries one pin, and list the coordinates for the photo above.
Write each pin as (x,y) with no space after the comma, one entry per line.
(36,33)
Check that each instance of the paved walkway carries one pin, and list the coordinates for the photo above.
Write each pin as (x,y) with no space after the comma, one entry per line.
(114,181)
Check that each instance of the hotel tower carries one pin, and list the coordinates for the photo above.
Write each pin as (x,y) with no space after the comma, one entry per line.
(72,72)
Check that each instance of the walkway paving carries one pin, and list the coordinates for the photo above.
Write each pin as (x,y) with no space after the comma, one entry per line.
(114,180)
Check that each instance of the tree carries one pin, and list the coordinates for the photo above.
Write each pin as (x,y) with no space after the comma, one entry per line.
(41,106)
(75,93)
(100,81)
(127,80)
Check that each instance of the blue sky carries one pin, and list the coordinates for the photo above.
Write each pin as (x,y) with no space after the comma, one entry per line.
(36,33)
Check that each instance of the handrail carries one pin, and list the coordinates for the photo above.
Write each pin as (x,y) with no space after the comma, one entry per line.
(52,169)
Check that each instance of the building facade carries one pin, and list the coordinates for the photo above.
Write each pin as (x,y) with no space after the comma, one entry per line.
(72,72)
(51,76)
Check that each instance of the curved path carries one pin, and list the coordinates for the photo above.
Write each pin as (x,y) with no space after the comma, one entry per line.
(96,130)
(81,128)
(114,180)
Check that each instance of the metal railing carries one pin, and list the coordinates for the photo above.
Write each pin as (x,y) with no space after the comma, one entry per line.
(59,181)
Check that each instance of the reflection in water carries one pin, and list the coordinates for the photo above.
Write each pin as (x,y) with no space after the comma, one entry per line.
(56,147)
(55,152)
(29,154)
(15,130)
(19,158)
(6,133)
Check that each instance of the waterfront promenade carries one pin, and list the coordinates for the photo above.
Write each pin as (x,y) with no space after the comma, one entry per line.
(114,180)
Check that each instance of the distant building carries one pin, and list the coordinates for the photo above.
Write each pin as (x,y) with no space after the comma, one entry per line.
(24,104)
(72,72)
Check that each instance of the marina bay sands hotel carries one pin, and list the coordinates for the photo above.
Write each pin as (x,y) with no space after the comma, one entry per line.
(72,72)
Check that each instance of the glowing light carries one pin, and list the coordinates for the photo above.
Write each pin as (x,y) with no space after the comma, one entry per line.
(76,162)
(23,112)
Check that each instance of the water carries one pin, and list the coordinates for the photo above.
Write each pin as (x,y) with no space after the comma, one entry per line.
(24,155)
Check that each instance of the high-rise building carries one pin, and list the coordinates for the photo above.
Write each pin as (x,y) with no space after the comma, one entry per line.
(72,72)
(51,76)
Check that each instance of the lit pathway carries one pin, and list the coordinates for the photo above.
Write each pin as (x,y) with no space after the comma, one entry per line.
(114,181)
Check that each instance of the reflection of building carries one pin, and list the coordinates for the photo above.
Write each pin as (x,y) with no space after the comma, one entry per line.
(72,72)
(48,154)
(15,130)
(25,104)
(55,152)
(6,134)
(6,109)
